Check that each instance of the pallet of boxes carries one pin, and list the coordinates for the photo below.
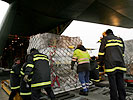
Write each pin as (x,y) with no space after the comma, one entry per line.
(56,48)
(128,57)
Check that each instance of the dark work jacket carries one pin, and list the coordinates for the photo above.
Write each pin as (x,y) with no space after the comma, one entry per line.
(38,63)
(111,52)
(15,76)
(94,73)
(25,87)
(93,64)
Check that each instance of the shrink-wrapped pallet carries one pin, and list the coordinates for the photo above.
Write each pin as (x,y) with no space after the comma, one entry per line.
(129,56)
(56,48)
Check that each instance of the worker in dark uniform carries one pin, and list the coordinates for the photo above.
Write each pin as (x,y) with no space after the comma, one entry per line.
(101,68)
(111,53)
(38,63)
(103,34)
(15,78)
(81,56)
(94,73)
(25,87)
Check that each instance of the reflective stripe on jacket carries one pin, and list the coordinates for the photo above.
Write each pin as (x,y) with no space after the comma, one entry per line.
(15,76)
(111,52)
(83,59)
(38,63)
(24,90)
(27,93)
(81,56)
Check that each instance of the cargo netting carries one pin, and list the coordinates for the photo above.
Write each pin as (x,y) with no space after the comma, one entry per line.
(129,56)
(56,47)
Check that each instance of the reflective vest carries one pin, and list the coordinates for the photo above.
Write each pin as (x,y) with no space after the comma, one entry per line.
(81,56)
(111,52)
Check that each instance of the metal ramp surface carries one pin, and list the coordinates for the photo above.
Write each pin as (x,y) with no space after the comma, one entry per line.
(95,93)
(98,92)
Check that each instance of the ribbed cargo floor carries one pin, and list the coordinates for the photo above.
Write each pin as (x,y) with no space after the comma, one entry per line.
(99,92)
(95,93)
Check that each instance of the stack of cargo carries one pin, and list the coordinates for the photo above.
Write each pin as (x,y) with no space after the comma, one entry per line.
(56,48)
(129,56)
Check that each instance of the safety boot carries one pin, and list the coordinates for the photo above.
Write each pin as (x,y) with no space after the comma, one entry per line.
(85,93)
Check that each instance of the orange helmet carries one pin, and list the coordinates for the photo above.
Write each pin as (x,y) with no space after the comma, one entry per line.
(104,33)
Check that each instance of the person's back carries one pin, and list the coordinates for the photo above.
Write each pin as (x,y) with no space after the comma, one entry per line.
(83,60)
(113,49)
(82,57)
(25,87)
(38,63)
(94,73)
(41,69)
(114,53)
(93,63)
(111,54)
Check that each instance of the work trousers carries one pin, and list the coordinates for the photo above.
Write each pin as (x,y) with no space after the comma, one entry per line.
(36,93)
(117,89)
(94,75)
(26,97)
(84,79)
(13,93)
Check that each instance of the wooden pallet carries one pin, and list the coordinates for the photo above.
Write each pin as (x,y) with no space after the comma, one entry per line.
(5,85)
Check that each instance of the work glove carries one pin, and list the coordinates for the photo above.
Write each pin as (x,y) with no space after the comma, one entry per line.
(72,68)
(72,65)
(101,63)
(26,78)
